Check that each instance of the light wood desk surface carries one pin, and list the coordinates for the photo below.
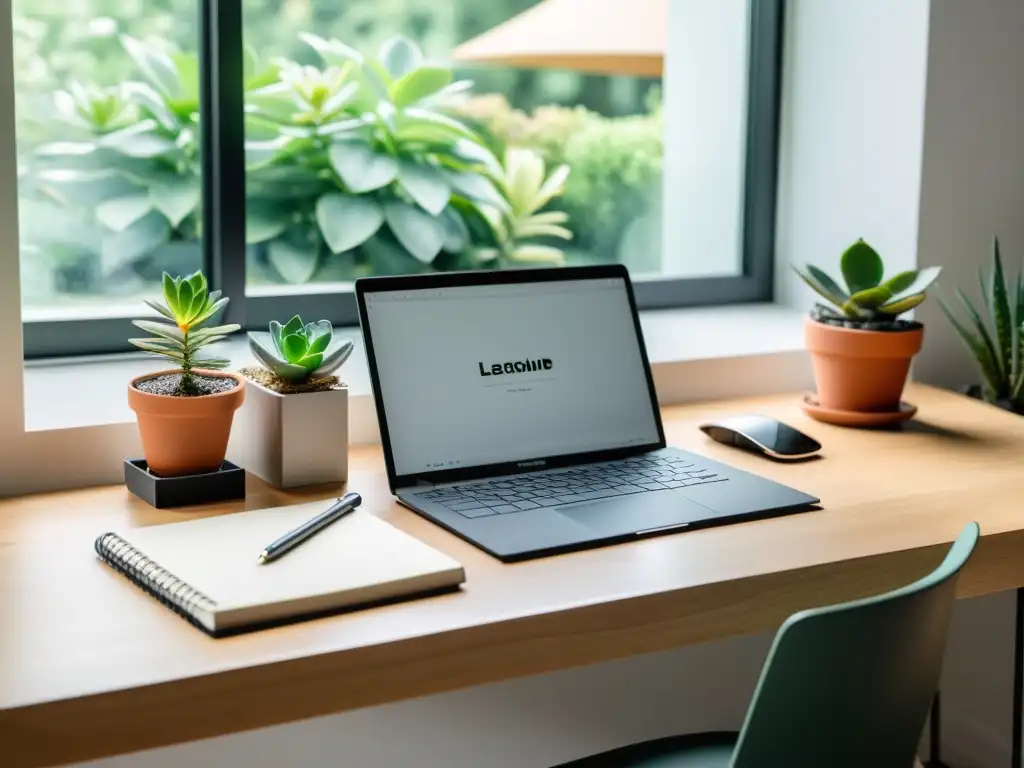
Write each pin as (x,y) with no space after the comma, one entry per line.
(89,666)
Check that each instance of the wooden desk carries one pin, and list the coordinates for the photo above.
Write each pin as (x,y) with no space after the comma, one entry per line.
(90,667)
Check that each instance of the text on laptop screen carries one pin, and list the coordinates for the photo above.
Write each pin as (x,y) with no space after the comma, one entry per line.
(488,374)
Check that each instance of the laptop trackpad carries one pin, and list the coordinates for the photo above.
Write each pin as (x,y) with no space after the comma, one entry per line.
(629,514)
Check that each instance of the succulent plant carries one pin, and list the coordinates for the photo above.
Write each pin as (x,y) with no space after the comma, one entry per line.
(187,305)
(866,296)
(296,351)
(998,345)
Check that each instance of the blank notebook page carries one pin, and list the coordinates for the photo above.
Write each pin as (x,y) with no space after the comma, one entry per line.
(356,559)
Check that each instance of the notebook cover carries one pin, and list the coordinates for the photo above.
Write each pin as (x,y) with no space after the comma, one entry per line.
(208,567)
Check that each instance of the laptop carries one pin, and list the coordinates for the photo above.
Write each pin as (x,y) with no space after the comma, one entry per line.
(517,410)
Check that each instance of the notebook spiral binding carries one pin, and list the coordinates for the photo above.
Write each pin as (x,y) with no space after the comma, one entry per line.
(148,575)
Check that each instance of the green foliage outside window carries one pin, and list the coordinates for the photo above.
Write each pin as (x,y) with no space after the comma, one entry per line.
(356,164)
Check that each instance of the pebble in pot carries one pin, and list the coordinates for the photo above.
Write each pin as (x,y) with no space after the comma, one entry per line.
(185,413)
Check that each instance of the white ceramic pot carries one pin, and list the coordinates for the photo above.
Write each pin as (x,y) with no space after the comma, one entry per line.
(292,440)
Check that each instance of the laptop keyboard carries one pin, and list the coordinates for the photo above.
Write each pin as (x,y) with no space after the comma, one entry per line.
(525,492)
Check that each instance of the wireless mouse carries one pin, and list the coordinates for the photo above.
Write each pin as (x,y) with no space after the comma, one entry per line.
(763,435)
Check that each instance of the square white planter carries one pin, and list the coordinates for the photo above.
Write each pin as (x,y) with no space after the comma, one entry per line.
(292,440)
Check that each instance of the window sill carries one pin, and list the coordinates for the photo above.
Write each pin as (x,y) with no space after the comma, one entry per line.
(696,354)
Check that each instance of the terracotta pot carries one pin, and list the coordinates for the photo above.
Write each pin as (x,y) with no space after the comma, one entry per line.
(860,370)
(185,435)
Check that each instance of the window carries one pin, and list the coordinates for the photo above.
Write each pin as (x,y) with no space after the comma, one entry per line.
(388,136)
(107,109)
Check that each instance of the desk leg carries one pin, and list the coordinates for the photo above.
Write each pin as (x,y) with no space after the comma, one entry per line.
(1018,679)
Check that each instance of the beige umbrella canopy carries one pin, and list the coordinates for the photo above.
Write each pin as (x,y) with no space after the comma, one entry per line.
(608,37)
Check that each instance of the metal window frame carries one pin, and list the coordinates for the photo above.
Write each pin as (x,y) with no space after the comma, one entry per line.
(223,164)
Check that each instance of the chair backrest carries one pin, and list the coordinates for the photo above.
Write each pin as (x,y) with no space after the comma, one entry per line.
(850,685)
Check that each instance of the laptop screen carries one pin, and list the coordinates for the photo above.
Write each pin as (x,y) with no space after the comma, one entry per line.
(486,374)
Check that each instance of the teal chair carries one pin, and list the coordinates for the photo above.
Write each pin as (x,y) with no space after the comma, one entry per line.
(847,686)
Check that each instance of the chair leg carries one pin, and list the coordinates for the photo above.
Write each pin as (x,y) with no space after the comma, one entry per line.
(1018,680)
(935,734)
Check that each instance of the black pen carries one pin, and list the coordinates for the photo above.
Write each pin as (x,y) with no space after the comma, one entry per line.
(292,539)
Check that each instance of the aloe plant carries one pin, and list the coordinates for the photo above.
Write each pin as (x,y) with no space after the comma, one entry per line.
(187,305)
(867,297)
(296,350)
(993,334)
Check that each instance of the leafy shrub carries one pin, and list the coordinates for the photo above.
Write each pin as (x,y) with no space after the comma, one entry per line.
(616,163)
(366,149)
(358,166)
(133,160)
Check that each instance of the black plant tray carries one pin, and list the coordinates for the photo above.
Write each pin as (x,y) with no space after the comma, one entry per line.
(226,484)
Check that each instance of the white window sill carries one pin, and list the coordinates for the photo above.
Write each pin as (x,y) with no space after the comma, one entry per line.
(696,354)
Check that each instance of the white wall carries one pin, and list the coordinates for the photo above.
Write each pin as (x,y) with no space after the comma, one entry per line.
(852,122)
(972,187)
(973,174)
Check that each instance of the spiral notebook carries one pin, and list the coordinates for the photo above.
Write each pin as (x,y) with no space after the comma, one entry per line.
(206,570)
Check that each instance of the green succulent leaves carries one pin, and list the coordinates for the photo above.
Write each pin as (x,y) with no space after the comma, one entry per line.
(861,266)
(187,305)
(867,296)
(297,350)
(302,345)
(995,341)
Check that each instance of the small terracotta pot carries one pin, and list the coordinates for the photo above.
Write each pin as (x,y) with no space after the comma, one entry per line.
(185,435)
(859,370)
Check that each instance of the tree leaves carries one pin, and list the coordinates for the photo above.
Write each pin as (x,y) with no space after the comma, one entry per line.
(147,97)
(476,187)
(360,167)
(456,232)
(156,65)
(426,185)
(135,241)
(176,197)
(419,233)
(400,56)
(295,257)
(419,84)
(140,140)
(264,221)
(347,221)
(119,213)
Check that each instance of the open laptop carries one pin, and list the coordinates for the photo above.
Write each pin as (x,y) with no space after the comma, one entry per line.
(517,410)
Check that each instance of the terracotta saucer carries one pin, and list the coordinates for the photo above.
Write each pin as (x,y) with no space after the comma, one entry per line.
(857,418)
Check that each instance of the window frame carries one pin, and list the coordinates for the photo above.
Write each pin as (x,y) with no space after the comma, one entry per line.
(223,201)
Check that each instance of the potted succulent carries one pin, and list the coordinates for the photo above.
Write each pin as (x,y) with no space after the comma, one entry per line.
(185,413)
(860,348)
(293,428)
(996,345)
